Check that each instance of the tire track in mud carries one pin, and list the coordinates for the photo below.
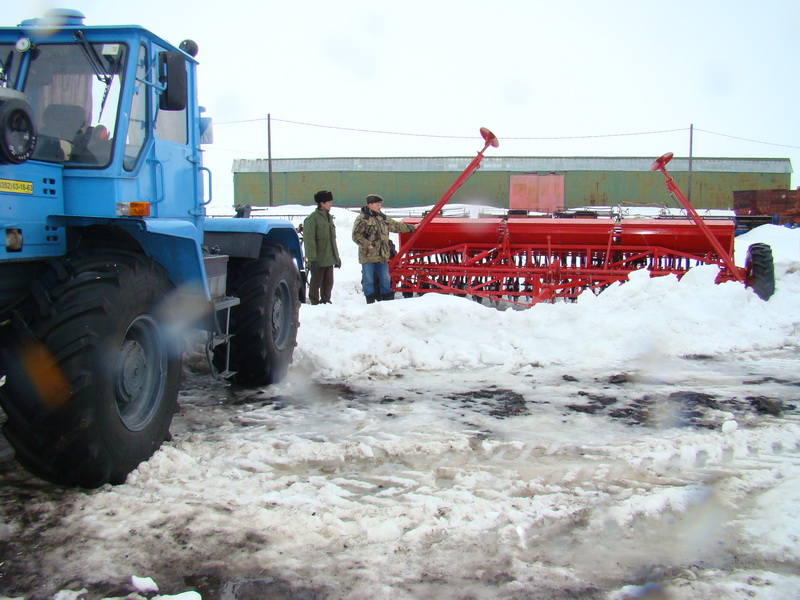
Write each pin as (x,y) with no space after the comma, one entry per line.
(593,478)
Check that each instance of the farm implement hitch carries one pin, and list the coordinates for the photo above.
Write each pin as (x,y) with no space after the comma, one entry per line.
(524,260)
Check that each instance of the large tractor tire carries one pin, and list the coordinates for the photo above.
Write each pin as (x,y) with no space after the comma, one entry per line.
(760,270)
(264,325)
(91,390)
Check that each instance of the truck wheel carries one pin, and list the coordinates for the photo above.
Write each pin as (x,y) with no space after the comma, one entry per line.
(760,270)
(92,394)
(264,325)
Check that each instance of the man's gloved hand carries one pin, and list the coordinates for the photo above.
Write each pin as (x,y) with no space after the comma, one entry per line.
(338,265)
(313,266)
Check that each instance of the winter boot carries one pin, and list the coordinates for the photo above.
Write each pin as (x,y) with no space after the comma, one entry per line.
(371,298)
(389,296)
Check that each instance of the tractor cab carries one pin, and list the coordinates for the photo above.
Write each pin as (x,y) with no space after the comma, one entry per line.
(110,107)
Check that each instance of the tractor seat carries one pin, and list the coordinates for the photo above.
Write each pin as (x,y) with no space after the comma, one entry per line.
(63,121)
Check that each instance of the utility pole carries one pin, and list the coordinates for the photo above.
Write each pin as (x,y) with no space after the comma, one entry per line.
(269,155)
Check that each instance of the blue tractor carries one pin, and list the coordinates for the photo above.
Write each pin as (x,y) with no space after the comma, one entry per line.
(109,262)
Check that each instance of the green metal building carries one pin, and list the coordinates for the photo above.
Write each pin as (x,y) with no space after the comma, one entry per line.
(531,183)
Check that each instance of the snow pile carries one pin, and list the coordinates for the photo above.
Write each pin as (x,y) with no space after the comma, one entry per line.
(637,322)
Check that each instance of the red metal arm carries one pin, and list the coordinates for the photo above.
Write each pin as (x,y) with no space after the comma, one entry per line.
(491,140)
(660,164)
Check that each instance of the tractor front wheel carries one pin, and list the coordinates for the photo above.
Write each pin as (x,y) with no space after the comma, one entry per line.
(91,393)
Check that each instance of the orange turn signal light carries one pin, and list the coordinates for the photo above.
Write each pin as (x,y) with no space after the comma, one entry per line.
(133,209)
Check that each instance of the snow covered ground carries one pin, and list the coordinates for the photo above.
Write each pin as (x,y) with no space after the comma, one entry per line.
(643,443)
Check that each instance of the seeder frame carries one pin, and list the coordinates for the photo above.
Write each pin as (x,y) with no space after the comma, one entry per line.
(527,260)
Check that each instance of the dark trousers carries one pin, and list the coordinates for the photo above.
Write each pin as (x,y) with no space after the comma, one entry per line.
(321,285)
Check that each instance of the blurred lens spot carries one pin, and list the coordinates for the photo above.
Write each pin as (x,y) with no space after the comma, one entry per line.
(45,375)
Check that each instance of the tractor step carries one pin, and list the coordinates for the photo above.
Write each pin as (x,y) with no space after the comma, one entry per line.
(225,303)
(222,336)
(217,339)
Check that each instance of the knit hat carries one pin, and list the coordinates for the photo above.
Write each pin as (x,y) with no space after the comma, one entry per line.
(323,196)
(373,198)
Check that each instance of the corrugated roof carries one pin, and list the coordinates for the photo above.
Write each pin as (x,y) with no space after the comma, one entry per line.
(512,163)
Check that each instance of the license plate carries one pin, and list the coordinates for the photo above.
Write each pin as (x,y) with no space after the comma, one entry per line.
(16,187)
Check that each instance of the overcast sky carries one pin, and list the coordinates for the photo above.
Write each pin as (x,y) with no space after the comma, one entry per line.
(419,78)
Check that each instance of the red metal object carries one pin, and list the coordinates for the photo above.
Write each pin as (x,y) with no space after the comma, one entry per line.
(660,164)
(526,260)
(490,139)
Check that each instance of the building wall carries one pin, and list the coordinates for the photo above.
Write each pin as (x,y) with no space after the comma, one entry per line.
(710,189)
(350,188)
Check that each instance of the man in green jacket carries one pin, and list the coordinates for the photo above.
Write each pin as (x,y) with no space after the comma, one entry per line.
(371,233)
(319,243)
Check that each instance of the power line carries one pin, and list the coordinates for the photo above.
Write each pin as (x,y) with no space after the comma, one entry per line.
(452,137)
(746,139)
(242,121)
(427,135)
(464,137)
(584,137)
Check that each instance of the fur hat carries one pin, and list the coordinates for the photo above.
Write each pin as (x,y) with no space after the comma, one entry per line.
(323,196)
(373,198)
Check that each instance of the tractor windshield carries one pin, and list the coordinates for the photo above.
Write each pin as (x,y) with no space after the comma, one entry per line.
(74,91)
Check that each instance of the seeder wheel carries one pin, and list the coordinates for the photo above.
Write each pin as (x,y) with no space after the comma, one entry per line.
(760,270)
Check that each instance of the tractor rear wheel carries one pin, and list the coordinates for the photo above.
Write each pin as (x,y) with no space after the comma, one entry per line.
(91,394)
(264,325)
(760,270)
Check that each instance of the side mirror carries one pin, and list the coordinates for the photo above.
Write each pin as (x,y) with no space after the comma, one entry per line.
(172,75)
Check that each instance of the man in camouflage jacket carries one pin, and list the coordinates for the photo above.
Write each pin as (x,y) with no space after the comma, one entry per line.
(319,243)
(371,234)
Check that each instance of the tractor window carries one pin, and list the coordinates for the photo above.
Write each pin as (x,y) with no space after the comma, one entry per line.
(137,124)
(171,126)
(74,91)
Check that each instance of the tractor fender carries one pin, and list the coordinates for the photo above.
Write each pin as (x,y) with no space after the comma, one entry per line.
(174,244)
(243,237)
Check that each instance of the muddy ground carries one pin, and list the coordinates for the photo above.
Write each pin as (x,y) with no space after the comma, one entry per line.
(41,546)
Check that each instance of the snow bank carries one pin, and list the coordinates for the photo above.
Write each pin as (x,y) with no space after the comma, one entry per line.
(628,326)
